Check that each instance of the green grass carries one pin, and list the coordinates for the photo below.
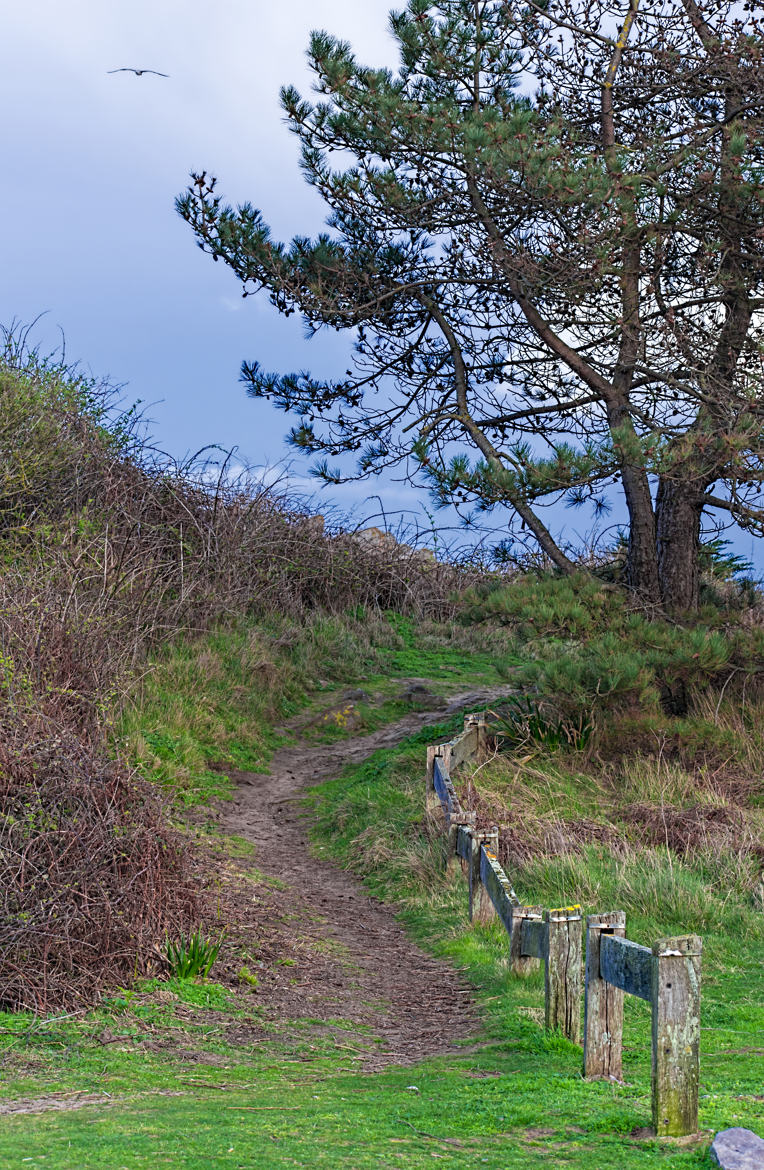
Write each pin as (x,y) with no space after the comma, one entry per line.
(190,1074)
(211,704)
(217,700)
(396,1119)
(294,1101)
(294,1096)
(660,894)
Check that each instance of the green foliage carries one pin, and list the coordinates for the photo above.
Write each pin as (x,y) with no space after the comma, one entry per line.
(192,956)
(587,648)
(541,606)
(244,975)
(717,558)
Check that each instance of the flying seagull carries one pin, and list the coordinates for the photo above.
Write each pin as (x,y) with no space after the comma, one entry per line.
(137,72)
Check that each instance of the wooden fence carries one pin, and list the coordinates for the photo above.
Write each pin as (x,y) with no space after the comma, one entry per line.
(667,975)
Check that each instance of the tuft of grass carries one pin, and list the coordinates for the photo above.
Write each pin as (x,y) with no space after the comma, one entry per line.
(192,956)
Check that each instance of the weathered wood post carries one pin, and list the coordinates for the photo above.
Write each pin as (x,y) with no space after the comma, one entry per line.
(562,976)
(603,1003)
(455,863)
(522,964)
(676,1034)
(482,748)
(431,799)
(481,907)
(477,720)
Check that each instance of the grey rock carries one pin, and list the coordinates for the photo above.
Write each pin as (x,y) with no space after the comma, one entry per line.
(738,1149)
(357,696)
(422,696)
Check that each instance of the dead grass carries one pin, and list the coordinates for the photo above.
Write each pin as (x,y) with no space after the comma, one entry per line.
(687,805)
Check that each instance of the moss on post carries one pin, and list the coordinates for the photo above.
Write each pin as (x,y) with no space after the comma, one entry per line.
(603,1003)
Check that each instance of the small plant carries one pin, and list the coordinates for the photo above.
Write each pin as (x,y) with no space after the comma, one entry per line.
(192,957)
(244,975)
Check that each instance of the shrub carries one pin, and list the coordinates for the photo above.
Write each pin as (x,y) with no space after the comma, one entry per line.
(108,550)
(90,873)
(589,647)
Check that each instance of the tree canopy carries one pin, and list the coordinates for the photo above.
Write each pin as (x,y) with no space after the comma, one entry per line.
(546,232)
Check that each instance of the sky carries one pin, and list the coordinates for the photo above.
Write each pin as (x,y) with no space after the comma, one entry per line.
(92,162)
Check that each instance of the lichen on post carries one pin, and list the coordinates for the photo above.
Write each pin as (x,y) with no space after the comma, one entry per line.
(676,1034)
(603,1003)
(432,802)
(481,907)
(562,982)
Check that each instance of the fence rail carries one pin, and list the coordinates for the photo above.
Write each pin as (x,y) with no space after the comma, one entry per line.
(666,975)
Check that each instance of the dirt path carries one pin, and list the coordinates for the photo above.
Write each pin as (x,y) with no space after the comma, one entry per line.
(331,951)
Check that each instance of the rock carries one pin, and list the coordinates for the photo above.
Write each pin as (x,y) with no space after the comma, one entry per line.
(345,717)
(419,694)
(385,542)
(377,539)
(738,1149)
(314,524)
(356,696)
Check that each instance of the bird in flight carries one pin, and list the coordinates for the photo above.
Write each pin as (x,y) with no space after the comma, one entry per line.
(137,72)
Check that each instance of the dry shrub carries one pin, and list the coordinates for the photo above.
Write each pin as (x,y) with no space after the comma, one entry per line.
(693,830)
(111,548)
(91,876)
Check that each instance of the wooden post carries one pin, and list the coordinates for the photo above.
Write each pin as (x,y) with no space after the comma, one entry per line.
(603,1003)
(481,907)
(522,964)
(477,720)
(562,979)
(454,863)
(482,748)
(676,1034)
(431,801)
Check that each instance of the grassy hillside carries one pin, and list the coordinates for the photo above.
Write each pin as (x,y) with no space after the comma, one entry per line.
(201,1075)
(111,554)
(163,628)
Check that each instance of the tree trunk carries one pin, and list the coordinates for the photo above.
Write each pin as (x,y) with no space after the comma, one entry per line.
(642,564)
(678,508)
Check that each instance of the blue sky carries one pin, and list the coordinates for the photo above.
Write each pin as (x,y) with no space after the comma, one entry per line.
(92,163)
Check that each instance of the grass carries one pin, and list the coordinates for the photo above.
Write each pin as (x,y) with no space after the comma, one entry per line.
(182,1094)
(213,704)
(186,1073)
(362,817)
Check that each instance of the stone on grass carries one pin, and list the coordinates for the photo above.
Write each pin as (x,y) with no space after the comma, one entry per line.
(738,1149)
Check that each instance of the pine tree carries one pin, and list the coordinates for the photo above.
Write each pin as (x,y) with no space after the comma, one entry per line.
(549,247)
